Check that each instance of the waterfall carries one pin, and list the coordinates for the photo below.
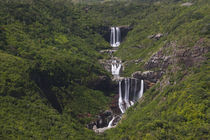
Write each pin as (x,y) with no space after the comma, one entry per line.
(118,36)
(110,123)
(115,37)
(127,86)
(115,68)
(135,89)
(132,92)
(120,103)
(142,89)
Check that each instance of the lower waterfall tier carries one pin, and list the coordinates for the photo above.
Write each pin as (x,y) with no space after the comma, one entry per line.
(130,90)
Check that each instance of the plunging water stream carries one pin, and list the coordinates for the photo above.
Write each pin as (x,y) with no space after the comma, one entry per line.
(130,89)
(115,37)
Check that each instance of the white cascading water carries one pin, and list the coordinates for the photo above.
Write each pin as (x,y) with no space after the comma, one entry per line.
(132,92)
(118,36)
(120,102)
(127,92)
(135,90)
(116,68)
(115,36)
(110,123)
(142,89)
(137,93)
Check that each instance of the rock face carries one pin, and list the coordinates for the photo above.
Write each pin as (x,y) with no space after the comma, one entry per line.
(180,55)
(114,105)
(102,120)
(190,57)
(107,64)
(103,83)
(171,55)
(151,76)
(124,29)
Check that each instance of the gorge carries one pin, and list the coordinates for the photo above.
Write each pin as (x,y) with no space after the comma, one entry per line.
(104,69)
(130,89)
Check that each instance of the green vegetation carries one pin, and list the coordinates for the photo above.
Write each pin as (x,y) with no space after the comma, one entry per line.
(185,25)
(46,62)
(177,112)
(49,52)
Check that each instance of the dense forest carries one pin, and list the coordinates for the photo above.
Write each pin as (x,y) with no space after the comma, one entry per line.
(52,84)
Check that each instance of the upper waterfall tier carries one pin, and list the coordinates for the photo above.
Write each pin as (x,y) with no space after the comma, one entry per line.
(115,37)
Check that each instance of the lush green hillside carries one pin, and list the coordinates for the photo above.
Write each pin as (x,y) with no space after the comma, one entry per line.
(177,106)
(48,60)
(176,112)
(50,78)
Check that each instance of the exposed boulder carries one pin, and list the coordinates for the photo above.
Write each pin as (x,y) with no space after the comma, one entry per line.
(187,4)
(109,52)
(156,36)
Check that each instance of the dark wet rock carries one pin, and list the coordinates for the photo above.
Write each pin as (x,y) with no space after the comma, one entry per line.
(102,120)
(124,29)
(91,125)
(114,105)
(117,119)
(103,83)
(107,113)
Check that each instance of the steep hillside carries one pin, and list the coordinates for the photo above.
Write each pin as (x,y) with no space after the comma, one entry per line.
(52,85)
(48,67)
(172,41)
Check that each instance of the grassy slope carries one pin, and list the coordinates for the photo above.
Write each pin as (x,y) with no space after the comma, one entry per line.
(186,25)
